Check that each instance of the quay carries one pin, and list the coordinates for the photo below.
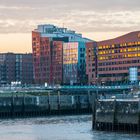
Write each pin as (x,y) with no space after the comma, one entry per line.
(121,115)
(43,101)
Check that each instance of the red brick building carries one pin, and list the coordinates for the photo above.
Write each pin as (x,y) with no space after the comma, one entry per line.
(41,58)
(112,59)
(57,62)
(47,59)
(91,62)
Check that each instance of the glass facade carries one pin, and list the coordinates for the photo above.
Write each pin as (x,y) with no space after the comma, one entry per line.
(70,62)
(74,65)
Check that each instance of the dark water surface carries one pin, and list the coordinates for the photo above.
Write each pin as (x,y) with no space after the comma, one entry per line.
(56,128)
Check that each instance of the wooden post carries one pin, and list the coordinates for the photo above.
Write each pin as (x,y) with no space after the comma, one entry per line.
(23,105)
(58,101)
(88,101)
(114,115)
(94,100)
(123,94)
(49,106)
(12,105)
(138,125)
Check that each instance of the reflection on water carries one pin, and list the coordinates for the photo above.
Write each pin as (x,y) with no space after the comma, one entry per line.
(56,128)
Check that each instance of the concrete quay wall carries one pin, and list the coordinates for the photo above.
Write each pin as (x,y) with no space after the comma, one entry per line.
(43,105)
(117,115)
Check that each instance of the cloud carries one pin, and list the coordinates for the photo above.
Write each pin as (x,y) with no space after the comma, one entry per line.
(22,16)
(72,4)
(3,7)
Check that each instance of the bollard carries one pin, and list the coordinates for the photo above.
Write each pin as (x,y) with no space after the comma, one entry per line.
(88,101)
(114,115)
(138,125)
(94,99)
(12,105)
(23,105)
(58,101)
(49,106)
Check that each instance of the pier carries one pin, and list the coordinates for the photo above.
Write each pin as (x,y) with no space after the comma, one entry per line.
(43,103)
(121,115)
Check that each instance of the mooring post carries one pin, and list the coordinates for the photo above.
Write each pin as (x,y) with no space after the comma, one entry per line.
(12,105)
(88,101)
(58,101)
(49,106)
(138,125)
(114,115)
(94,101)
(123,94)
(23,104)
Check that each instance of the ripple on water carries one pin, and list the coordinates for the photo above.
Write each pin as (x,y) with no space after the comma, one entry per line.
(56,128)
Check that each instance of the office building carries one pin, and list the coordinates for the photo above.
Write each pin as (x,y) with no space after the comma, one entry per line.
(16,68)
(48,44)
(114,61)
(74,66)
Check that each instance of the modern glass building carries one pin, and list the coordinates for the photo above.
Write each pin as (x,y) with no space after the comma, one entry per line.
(58,55)
(70,62)
(74,66)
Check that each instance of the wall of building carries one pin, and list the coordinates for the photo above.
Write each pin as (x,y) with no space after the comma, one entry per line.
(57,63)
(82,78)
(47,59)
(27,69)
(74,65)
(15,68)
(41,58)
(70,62)
(115,58)
(91,62)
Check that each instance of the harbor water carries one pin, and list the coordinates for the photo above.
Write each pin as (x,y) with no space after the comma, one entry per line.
(56,128)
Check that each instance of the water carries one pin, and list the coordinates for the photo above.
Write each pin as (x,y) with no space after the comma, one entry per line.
(56,128)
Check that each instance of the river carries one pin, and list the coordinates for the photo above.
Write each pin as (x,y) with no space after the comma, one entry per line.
(56,128)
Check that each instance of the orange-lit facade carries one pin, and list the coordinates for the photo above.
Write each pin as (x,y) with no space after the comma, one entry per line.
(114,59)
(91,62)
(70,62)
(74,65)
(48,43)
(57,62)
(47,59)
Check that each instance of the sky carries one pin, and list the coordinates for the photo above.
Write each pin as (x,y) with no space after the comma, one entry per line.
(95,19)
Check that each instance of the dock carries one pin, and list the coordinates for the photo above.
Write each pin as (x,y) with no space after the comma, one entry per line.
(121,115)
(43,103)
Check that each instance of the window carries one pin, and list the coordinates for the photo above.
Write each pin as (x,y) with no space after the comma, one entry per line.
(82,55)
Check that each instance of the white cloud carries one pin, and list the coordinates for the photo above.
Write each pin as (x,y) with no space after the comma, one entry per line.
(82,15)
(3,7)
